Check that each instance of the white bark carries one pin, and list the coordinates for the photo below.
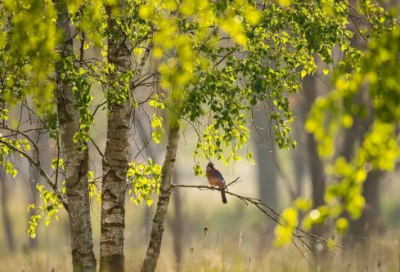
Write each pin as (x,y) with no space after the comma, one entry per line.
(76,165)
(115,163)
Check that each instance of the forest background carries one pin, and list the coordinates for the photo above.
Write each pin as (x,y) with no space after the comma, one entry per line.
(111,110)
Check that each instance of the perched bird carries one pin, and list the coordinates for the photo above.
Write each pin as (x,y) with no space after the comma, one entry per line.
(215,179)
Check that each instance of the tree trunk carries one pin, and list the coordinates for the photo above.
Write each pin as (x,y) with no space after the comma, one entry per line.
(8,230)
(76,164)
(35,176)
(299,164)
(267,173)
(318,179)
(316,166)
(153,250)
(370,222)
(32,193)
(115,162)
(177,224)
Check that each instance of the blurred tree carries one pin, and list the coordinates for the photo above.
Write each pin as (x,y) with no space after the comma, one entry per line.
(301,166)
(317,172)
(8,228)
(267,174)
(177,223)
(375,67)
(265,152)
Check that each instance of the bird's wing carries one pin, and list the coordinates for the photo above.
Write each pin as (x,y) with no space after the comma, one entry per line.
(219,175)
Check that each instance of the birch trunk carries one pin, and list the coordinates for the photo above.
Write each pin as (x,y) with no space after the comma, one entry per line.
(115,165)
(76,165)
(153,250)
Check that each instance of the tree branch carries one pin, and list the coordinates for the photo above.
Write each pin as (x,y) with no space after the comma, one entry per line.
(298,233)
(41,171)
(97,148)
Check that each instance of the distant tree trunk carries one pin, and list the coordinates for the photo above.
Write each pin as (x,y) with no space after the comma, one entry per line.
(370,222)
(35,177)
(299,164)
(177,223)
(266,169)
(267,173)
(76,163)
(115,161)
(318,179)
(8,229)
(154,248)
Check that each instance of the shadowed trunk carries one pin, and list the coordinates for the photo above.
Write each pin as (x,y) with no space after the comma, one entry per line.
(317,173)
(8,230)
(115,160)
(370,222)
(154,248)
(34,180)
(316,166)
(267,173)
(299,163)
(35,177)
(76,164)
(177,223)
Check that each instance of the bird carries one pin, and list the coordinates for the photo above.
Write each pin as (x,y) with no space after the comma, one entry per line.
(215,178)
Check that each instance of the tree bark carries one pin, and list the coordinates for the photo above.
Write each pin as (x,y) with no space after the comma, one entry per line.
(76,164)
(153,250)
(8,230)
(115,162)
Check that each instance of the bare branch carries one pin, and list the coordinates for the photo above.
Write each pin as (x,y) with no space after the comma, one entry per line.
(299,234)
(41,171)
(97,107)
(98,149)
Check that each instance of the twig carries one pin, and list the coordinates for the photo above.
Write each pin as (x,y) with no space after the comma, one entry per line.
(97,107)
(95,145)
(41,171)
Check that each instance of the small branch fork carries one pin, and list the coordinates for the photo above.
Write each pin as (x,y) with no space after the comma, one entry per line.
(308,240)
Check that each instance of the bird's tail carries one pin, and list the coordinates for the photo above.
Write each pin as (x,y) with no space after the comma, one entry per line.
(223,195)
